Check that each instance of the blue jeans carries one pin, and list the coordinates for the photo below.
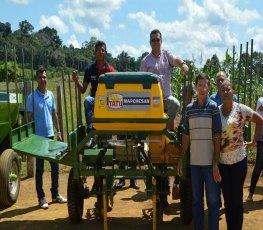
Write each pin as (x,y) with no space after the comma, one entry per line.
(171,105)
(39,178)
(89,107)
(258,167)
(202,176)
(233,178)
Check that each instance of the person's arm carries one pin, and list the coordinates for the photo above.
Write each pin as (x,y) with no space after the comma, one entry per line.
(81,87)
(216,155)
(56,124)
(185,144)
(178,62)
(258,120)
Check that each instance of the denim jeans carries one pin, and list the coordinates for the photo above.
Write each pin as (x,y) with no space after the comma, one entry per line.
(258,167)
(233,178)
(171,105)
(89,108)
(39,178)
(202,177)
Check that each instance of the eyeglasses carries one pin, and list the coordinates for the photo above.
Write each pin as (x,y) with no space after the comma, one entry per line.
(155,40)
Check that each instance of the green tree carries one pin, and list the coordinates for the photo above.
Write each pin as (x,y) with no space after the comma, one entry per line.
(50,37)
(25,27)
(212,66)
(12,71)
(5,29)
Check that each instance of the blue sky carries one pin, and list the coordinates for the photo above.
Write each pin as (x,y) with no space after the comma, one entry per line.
(190,29)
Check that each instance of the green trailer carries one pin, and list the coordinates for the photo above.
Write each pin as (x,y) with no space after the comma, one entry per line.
(9,159)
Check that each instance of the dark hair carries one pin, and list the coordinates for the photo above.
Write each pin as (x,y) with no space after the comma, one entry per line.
(40,69)
(156,31)
(100,43)
(202,76)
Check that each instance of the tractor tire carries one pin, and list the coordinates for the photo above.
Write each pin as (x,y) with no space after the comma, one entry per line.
(186,197)
(9,177)
(75,199)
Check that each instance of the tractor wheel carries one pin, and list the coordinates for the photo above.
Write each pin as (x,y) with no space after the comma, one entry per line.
(9,177)
(75,199)
(186,197)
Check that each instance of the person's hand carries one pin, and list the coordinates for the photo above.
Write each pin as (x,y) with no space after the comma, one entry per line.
(180,167)
(75,76)
(185,69)
(216,174)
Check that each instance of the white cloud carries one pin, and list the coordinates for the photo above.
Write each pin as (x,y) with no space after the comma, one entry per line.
(78,28)
(204,28)
(217,12)
(53,22)
(145,21)
(257,34)
(73,41)
(94,32)
(121,26)
(22,2)
(132,51)
(91,13)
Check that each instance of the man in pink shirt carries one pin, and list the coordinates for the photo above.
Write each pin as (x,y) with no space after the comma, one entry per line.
(161,63)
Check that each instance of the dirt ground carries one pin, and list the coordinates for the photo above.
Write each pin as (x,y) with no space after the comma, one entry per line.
(131,210)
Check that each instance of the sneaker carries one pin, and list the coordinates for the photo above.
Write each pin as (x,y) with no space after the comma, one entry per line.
(43,203)
(59,199)
(249,199)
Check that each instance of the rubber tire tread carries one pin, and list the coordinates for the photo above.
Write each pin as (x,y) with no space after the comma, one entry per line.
(75,200)
(6,160)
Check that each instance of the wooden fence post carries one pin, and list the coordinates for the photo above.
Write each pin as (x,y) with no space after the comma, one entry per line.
(59,110)
(31,165)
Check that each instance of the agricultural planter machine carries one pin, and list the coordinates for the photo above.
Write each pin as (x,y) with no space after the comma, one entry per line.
(127,105)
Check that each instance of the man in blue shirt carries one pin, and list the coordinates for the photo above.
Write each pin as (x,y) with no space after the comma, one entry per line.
(41,108)
(220,77)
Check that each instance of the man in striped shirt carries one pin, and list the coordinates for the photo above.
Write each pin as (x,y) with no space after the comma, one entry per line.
(203,129)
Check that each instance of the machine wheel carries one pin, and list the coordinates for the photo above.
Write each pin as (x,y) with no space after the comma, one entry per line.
(186,201)
(9,177)
(75,199)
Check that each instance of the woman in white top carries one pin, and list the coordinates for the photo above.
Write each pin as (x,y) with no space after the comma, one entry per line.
(233,159)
